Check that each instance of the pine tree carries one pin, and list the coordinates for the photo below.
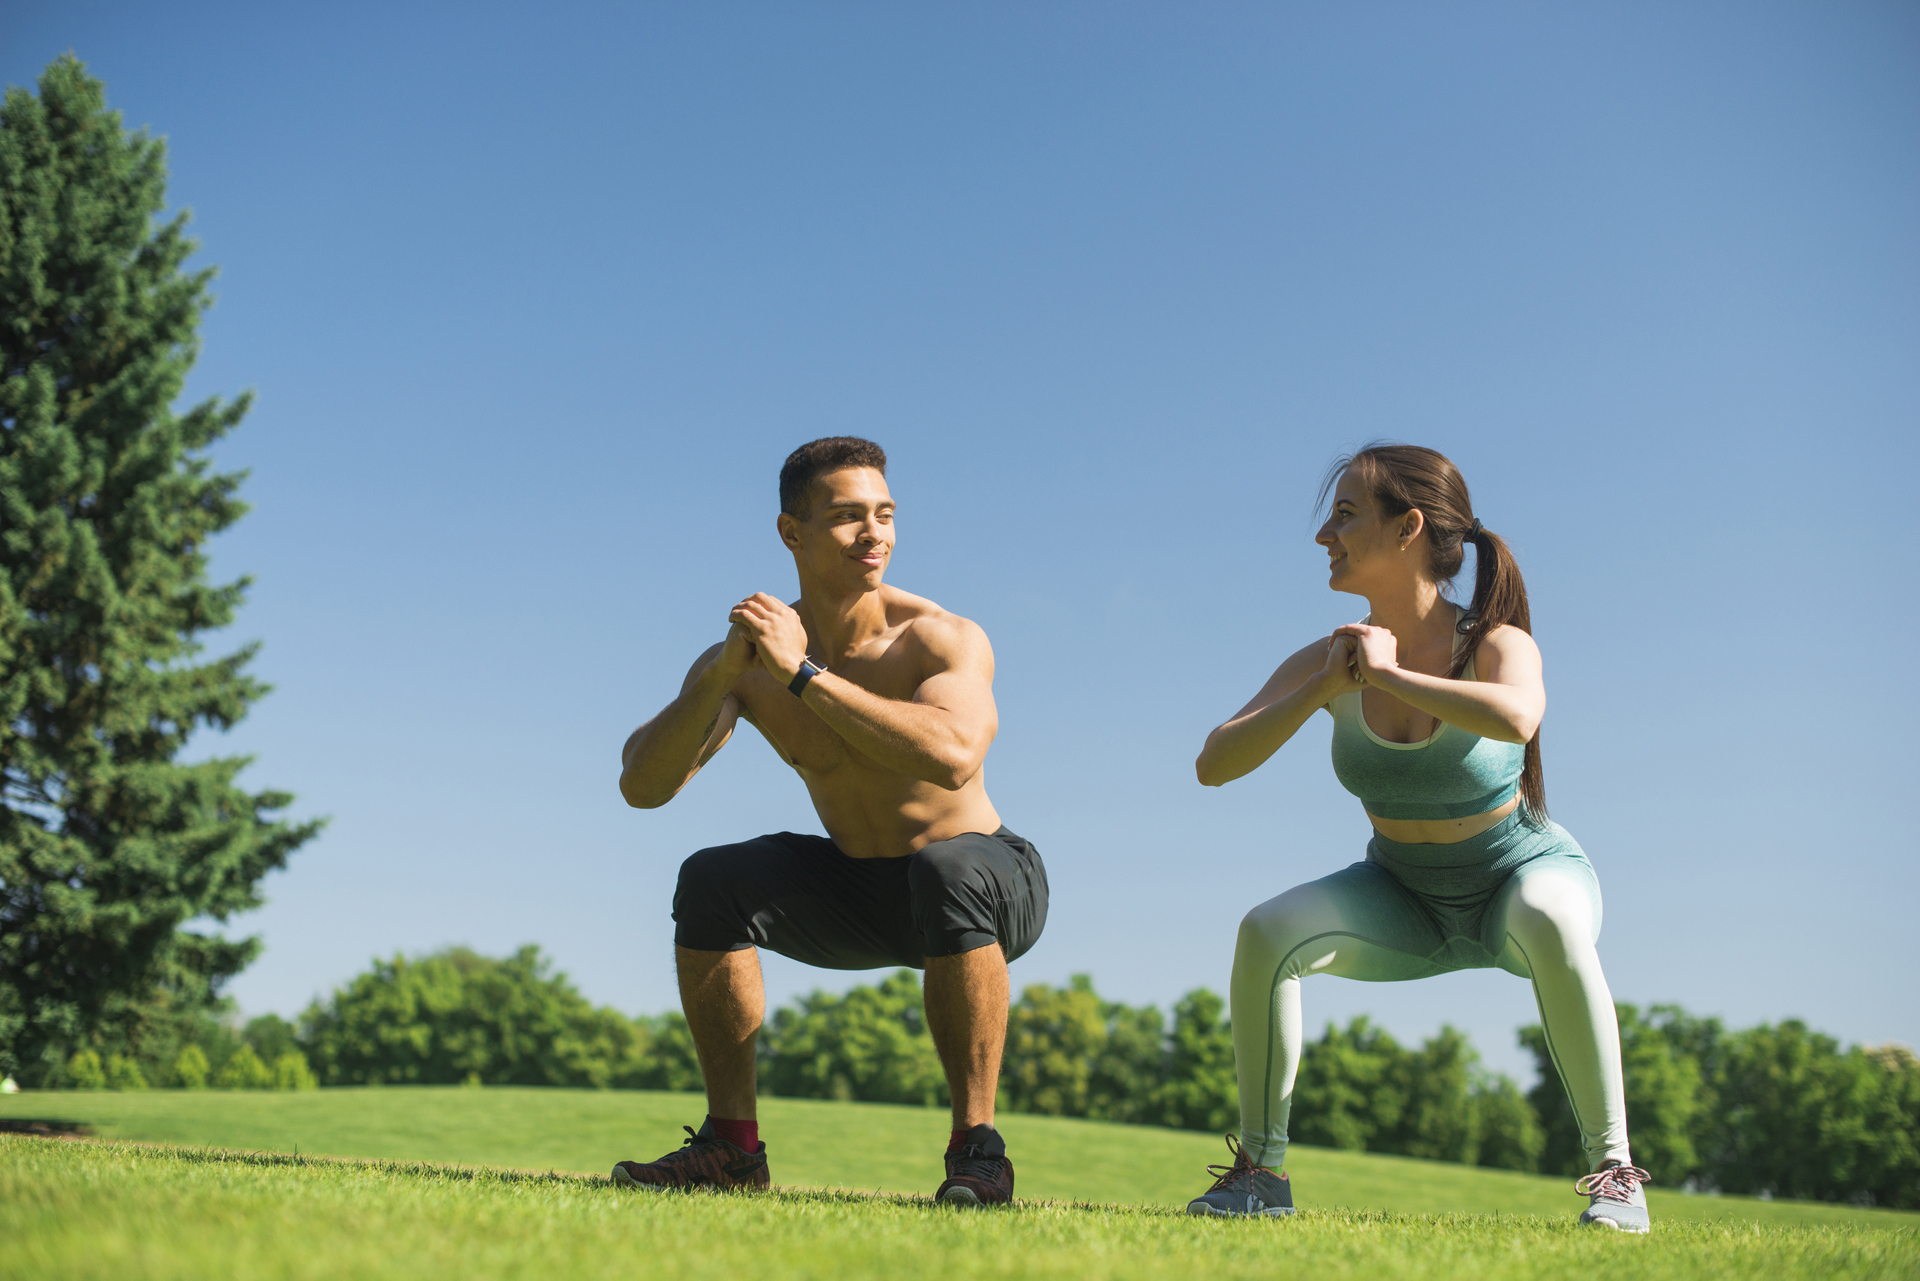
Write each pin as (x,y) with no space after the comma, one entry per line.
(108,844)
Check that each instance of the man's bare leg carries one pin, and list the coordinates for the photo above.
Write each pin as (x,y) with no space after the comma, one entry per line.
(724,1001)
(966,999)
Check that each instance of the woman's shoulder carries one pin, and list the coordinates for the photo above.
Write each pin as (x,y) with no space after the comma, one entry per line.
(1297,668)
(1503,648)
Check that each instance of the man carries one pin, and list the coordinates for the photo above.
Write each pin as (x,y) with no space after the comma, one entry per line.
(882,702)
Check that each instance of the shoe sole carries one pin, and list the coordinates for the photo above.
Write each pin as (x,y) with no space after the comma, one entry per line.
(1636,1229)
(1276,1212)
(621,1179)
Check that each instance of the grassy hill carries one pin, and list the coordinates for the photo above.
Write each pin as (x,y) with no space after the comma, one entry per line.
(813,1144)
(81,1211)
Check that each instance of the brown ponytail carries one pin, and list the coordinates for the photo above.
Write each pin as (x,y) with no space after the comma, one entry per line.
(1404,477)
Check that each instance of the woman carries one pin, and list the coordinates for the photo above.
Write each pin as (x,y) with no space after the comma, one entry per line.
(1435,717)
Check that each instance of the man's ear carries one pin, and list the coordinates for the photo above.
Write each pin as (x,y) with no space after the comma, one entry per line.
(789,529)
(1410,526)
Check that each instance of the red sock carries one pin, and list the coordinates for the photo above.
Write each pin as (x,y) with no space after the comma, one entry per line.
(958,1139)
(744,1135)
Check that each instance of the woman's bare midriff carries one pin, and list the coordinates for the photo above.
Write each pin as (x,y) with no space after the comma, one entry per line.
(1440,831)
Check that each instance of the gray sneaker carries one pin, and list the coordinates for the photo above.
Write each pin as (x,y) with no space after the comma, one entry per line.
(1244,1188)
(1619,1200)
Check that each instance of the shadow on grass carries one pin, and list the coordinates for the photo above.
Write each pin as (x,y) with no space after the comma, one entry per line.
(44,1127)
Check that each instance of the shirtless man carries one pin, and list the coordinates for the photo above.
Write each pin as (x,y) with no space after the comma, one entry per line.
(882,703)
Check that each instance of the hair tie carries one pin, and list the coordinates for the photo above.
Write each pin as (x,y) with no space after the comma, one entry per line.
(1476,529)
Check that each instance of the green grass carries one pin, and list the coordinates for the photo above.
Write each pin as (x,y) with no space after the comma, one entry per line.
(87,1210)
(865,1147)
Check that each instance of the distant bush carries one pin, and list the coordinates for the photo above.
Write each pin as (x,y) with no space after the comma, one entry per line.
(85,1073)
(290,1072)
(243,1070)
(272,1037)
(190,1069)
(124,1073)
(438,1019)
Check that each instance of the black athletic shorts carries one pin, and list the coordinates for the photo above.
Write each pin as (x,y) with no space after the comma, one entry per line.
(801,897)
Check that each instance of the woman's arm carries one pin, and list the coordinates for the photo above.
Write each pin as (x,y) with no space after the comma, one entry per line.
(1505,703)
(1307,681)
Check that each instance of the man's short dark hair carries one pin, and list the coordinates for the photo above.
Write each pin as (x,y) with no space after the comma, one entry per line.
(818,457)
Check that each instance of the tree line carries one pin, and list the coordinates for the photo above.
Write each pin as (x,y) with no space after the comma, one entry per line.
(1775,1109)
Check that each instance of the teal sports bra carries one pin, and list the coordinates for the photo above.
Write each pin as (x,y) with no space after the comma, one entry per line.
(1450,774)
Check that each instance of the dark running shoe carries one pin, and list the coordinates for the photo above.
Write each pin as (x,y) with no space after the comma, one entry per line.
(704,1161)
(979,1172)
(1244,1188)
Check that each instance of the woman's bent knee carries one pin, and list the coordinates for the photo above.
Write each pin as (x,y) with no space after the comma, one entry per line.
(1276,926)
(1550,916)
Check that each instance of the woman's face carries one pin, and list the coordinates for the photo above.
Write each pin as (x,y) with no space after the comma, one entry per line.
(1364,548)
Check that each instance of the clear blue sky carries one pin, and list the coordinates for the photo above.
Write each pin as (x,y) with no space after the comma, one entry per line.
(535,301)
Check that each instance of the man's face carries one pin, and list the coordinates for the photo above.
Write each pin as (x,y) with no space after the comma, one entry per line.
(846,537)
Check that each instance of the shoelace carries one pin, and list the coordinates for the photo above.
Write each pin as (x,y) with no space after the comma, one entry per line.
(685,1149)
(1615,1183)
(1242,1167)
(976,1162)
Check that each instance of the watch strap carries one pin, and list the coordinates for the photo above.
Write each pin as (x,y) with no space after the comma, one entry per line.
(808,670)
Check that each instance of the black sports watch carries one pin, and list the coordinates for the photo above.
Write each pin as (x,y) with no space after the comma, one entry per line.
(808,670)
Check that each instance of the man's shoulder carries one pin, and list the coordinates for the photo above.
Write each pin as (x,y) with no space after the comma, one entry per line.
(939,629)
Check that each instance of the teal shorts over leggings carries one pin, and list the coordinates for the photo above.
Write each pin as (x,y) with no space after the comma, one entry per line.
(1442,907)
(1520,897)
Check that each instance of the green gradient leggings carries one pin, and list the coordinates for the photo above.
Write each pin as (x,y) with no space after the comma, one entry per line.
(1519,897)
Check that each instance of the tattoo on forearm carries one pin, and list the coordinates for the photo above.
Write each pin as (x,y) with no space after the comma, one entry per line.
(707,733)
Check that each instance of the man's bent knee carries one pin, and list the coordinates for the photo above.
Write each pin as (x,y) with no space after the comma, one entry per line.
(972,891)
(706,919)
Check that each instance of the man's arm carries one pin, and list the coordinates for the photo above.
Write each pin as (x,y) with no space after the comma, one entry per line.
(940,737)
(663,755)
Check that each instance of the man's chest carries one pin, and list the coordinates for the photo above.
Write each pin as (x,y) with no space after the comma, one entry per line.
(797,732)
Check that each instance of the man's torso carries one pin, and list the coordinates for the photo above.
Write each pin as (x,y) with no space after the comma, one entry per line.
(869,810)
